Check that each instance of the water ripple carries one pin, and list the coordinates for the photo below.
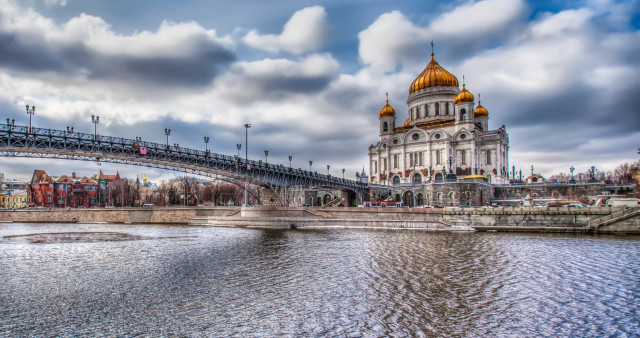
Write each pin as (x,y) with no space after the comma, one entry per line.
(348,283)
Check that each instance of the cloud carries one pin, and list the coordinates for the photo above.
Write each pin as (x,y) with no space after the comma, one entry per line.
(177,54)
(393,39)
(305,31)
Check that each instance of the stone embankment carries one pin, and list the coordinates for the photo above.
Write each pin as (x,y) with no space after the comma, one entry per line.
(581,220)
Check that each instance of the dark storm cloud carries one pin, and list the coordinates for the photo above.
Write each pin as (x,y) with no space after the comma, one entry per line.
(201,61)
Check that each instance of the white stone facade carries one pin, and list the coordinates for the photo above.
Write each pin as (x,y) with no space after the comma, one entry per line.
(438,130)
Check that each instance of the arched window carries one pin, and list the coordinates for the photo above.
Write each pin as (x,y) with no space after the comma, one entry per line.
(463,114)
(447,108)
(385,126)
(418,112)
(437,109)
(396,180)
(417,178)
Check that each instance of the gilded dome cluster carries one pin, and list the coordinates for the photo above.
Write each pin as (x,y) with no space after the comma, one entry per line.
(387,110)
(433,76)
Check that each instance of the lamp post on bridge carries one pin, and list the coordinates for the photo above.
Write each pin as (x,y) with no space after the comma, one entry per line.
(328,166)
(310,164)
(266,156)
(343,174)
(246,160)
(571,170)
(206,145)
(167,132)
(31,111)
(290,158)
(239,146)
(11,123)
(95,119)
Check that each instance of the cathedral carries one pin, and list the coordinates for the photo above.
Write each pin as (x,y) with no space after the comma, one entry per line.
(445,139)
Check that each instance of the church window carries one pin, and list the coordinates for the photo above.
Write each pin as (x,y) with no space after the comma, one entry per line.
(437,109)
(384,164)
(463,136)
(437,136)
(463,114)
(395,141)
(420,159)
(438,157)
(410,159)
(396,180)
(415,136)
(447,108)
(488,156)
(464,156)
(395,161)
(418,112)
(385,126)
(375,167)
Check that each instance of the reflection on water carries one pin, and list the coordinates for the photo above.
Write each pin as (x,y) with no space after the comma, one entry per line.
(219,282)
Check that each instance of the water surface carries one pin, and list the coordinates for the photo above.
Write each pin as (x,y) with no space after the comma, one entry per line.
(107,279)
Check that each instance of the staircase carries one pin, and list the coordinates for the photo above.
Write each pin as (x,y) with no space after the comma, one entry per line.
(336,202)
(593,225)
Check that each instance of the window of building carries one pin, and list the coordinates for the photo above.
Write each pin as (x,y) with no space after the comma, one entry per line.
(446,108)
(420,159)
(395,161)
(463,114)
(384,164)
(488,156)
(375,166)
(385,126)
(418,111)
(417,178)
(438,157)
(437,109)
(464,157)
(410,159)
(396,180)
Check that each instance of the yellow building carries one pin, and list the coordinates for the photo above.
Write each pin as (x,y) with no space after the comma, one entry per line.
(13,199)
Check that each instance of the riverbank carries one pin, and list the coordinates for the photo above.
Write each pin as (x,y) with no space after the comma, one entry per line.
(551,219)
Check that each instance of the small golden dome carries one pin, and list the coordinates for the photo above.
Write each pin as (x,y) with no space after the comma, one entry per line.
(480,111)
(433,76)
(387,110)
(406,123)
(463,96)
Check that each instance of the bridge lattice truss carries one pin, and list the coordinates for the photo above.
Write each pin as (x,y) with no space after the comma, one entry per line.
(17,141)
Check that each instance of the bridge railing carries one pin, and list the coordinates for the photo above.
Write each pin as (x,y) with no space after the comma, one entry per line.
(46,137)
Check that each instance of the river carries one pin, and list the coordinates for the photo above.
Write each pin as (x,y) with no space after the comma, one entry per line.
(126,280)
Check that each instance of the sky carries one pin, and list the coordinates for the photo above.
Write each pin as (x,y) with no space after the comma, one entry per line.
(311,77)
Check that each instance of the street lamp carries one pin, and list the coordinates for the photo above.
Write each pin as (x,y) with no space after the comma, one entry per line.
(266,156)
(290,158)
(239,146)
(328,166)
(571,170)
(30,112)
(246,159)
(11,122)
(343,174)
(95,119)
(167,132)
(206,144)
(310,164)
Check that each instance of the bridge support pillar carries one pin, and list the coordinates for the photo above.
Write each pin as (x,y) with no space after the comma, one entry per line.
(268,197)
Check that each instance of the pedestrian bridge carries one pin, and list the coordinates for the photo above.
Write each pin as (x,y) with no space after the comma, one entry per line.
(19,141)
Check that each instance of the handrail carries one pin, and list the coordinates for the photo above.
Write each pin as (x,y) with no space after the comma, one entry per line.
(599,221)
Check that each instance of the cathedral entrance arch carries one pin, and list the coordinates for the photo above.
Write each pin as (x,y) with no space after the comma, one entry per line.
(407,199)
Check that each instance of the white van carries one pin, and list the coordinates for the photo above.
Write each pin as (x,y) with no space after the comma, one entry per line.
(619,202)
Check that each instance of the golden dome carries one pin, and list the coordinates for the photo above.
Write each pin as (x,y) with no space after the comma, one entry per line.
(463,96)
(433,76)
(480,111)
(406,123)
(387,110)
